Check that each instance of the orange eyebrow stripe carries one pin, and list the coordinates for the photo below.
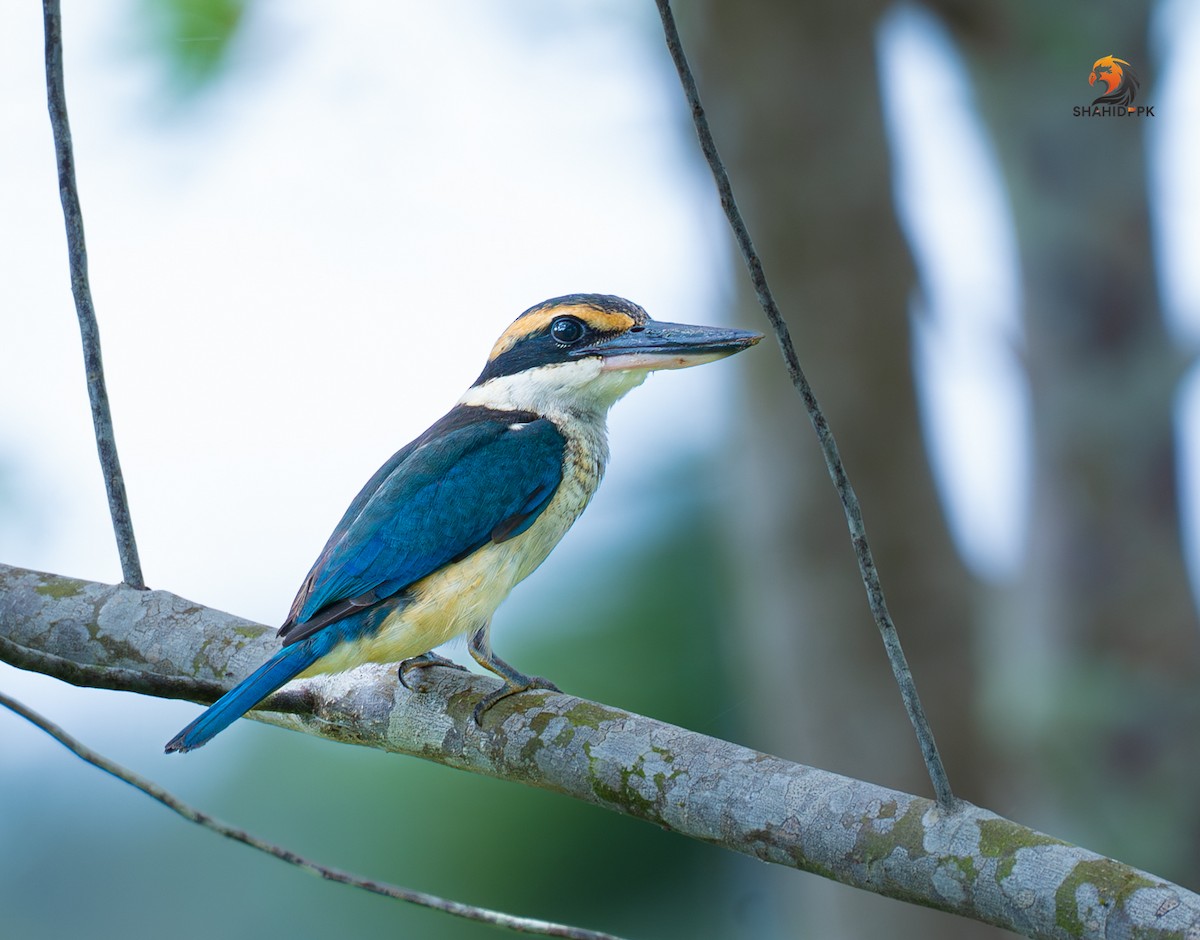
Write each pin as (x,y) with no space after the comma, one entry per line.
(603,321)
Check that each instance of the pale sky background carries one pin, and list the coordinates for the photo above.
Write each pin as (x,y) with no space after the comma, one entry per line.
(298,279)
(302,272)
(967,332)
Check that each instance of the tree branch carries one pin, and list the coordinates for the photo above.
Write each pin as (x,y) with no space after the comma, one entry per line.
(455,908)
(106,442)
(969,861)
(829,448)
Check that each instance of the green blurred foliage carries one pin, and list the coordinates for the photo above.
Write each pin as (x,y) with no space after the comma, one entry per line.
(193,37)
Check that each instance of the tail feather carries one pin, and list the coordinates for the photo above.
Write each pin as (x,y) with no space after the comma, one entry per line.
(279,669)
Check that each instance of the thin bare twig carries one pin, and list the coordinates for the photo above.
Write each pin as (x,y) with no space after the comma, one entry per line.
(106,444)
(469,912)
(833,461)
(118,505)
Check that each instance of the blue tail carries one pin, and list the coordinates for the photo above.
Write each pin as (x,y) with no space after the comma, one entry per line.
(284,665)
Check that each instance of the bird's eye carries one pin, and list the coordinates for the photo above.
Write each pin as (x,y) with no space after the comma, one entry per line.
(567,330)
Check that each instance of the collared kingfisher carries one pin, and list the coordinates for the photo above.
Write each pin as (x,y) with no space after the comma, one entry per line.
(448,526)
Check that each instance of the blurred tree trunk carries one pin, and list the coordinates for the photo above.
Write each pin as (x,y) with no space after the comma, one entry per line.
(1094,679)
(792,94)
(1062,699)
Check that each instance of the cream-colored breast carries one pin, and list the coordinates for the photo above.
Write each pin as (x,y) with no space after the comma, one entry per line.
(462,597)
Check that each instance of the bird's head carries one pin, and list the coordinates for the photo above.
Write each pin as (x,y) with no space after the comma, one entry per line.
(584,351)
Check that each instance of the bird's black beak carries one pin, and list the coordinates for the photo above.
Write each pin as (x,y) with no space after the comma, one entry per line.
(668,346)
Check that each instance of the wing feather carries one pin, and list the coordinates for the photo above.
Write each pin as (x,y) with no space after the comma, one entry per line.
(471,479)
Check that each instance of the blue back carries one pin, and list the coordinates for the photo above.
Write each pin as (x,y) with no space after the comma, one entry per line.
(476,476)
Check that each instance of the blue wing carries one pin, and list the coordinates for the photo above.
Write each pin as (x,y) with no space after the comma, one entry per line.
(476,476)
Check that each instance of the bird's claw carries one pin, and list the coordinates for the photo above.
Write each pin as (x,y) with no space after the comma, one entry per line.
(424,661)
(533,682)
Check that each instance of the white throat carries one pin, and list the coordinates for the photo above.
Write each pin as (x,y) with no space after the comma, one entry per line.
(578,389)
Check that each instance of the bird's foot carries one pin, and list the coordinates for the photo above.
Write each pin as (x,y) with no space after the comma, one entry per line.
(525,684)
(424,661)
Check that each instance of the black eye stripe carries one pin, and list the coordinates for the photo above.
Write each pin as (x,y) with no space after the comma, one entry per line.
(564,339)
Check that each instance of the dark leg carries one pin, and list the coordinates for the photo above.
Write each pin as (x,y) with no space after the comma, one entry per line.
(421,662)
(514,681)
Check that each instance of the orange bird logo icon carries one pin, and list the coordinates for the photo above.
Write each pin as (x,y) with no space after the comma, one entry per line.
(1119,80)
